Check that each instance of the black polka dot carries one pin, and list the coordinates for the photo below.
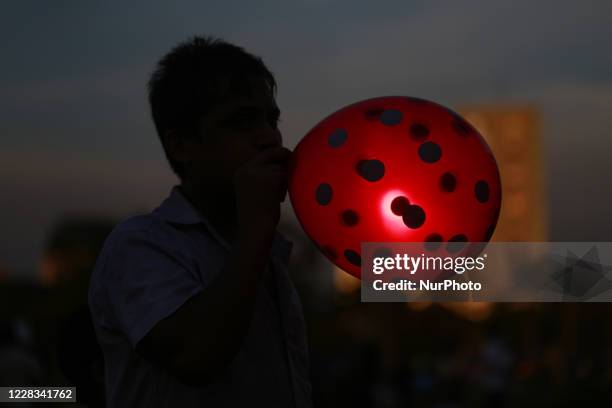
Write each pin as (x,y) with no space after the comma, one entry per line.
(391,117)
(414,216)
(397,279)
(461,127)
(371,170)
(329,251)
(433,242)
(430,152)
(456,243)
(382,252)
(399,205)
(373,113)
(350,218)
(452,112)
(489,233)
(448,182)
(324,194)
(417,100)
(481,190)
(353,257)
(337,138)
(475,248)
(419,131)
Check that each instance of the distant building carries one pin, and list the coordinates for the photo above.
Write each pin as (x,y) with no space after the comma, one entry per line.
(514,134)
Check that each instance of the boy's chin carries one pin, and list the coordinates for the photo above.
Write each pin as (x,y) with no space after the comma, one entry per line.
(217,192)
(223,197)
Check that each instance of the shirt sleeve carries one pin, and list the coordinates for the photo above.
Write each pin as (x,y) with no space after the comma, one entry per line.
(147,280)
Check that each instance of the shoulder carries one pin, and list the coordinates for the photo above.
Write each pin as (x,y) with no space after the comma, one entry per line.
(138,239)
(141,228)
(140,224)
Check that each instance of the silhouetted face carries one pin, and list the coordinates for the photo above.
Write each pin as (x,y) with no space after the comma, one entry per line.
(232,132)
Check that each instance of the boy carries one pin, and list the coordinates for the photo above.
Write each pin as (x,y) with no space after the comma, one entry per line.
(192,304)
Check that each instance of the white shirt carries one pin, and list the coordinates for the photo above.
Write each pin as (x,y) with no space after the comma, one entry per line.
(149,266)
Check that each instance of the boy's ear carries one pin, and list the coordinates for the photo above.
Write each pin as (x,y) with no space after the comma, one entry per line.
(177,146)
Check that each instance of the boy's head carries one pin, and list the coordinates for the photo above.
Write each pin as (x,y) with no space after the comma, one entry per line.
(213,105)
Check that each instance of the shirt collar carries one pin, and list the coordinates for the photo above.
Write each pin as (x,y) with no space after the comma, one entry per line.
(176,209)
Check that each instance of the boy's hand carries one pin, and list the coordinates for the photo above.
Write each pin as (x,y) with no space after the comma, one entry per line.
(261,185)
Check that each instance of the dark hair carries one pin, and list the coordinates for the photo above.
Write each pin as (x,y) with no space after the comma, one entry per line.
(188,82)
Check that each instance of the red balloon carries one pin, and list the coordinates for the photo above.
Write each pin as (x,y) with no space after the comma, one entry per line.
(393,169)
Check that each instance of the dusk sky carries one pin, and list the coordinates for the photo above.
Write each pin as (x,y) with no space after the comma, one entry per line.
(76,136)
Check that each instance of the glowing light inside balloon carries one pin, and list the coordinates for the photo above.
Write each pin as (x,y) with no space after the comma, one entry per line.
(393,223)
